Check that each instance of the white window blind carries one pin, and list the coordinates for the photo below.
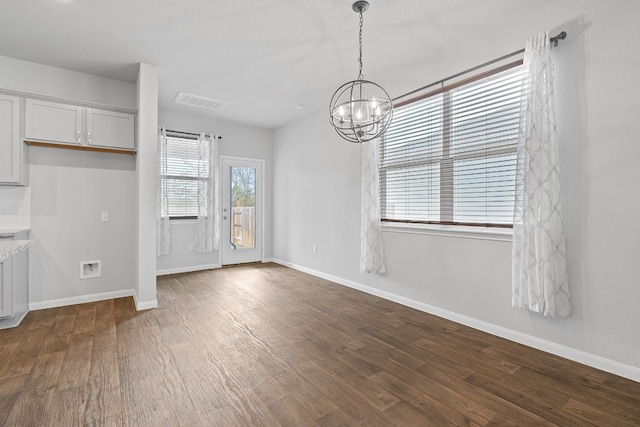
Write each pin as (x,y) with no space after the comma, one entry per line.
(182,179)
(450,158)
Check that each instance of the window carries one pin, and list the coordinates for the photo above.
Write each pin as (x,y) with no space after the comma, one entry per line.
(182,179)
(450,157)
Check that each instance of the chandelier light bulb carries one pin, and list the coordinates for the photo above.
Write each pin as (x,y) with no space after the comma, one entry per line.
(341,114)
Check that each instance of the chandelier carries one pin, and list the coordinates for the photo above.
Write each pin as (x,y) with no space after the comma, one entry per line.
(360,110)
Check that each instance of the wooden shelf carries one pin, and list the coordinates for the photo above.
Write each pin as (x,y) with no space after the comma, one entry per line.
(81,147)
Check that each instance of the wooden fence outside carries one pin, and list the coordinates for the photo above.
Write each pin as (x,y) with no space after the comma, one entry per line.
(243,227)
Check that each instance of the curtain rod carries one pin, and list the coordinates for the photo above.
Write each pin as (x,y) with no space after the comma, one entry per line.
(179,132)
(554,40)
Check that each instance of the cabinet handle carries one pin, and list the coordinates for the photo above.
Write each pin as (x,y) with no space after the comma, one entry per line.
(77,136)
(89,137)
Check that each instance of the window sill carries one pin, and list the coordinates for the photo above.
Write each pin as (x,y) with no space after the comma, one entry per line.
(183,220)
(464,232)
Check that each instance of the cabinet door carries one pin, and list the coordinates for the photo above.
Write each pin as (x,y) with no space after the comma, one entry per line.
(6,299)
(53,122)
(110,129)
(10,146)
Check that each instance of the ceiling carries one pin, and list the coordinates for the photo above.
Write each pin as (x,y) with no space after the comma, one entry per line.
(262,57)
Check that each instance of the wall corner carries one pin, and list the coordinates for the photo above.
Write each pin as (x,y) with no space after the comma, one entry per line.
(146,135)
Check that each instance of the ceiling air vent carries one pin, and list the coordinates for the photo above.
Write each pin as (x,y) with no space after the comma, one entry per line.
(200,101)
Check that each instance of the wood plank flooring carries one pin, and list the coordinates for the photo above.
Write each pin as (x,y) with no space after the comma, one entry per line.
(264,345)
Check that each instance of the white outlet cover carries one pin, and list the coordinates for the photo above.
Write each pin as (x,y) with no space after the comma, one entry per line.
(104,216)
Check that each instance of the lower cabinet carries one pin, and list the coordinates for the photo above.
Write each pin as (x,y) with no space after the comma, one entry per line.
(6,294)
(14,289)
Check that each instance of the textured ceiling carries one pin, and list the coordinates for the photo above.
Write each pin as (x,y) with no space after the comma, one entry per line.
(262,57)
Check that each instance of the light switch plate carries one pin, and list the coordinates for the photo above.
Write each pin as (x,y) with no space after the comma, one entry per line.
(105,216)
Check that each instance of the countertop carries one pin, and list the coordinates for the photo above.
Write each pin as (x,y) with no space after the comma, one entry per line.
(11,247)
(11,232)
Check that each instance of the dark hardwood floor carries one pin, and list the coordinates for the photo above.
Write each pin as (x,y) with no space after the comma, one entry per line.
(266,345)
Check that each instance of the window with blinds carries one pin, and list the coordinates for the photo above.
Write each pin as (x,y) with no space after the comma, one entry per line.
(182,180)
(450,157)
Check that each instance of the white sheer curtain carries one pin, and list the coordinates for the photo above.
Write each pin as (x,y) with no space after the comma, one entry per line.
(538,255)
(207,234)
(163,240)
(371,256)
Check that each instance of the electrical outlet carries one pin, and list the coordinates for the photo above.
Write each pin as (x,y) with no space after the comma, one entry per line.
(190,246)
(315,249)
(104,216)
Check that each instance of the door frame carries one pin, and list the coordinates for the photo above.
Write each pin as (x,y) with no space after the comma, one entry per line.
(261,192)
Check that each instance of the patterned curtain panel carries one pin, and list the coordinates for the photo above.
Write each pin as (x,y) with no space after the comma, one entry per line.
(208,223)
(371,258)
(538,255)
(163,240)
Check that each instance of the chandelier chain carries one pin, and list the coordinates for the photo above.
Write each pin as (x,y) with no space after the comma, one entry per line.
(360,76)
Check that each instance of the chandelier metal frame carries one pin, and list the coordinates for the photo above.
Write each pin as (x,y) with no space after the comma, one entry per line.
(360,110)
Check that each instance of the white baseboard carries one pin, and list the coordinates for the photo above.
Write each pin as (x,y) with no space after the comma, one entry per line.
(144,305)
(598,362)
(12,322)
(80,299)
(140,305)
(188,269)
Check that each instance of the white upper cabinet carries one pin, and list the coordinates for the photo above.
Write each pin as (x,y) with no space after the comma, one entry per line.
(59,123)
(54,122)
(10,145)
(110,129)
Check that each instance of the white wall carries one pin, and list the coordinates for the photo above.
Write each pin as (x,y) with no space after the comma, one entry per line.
(146,186)
(15,207)
(69,189)
(41,79)
(237,140)
(316,196)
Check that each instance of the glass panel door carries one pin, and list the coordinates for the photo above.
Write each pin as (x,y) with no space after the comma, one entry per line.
(241,210)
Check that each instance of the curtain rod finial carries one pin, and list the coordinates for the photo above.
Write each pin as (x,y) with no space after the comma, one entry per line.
(561,36)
